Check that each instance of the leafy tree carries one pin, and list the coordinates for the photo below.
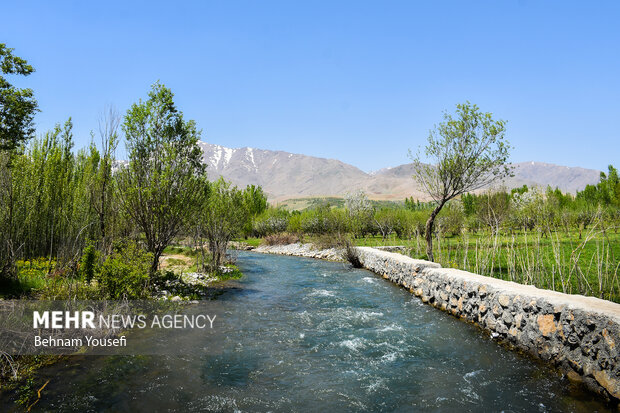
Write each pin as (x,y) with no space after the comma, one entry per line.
(321,220)
(360,212)
(222,218)
(255,203)
(469,152)
(470,206)
(606,192)
(255,200)
(520,190)
(527,209)
(271,221)
(17,106)
(386,221)
(17,110)
(159,189)
(493,209)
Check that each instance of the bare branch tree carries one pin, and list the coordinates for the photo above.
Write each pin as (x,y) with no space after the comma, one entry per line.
(109,123)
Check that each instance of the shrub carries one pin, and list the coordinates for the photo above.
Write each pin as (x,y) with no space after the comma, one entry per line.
(125,273)
(32,275)
(271,221)
(89,262)
(351,254)
(294,223)
(283,238)
(331,241)
(450,220)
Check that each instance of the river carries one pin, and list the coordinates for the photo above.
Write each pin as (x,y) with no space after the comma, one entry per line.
(298,334)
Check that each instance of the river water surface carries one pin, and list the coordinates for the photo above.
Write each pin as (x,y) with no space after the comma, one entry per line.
(297,334)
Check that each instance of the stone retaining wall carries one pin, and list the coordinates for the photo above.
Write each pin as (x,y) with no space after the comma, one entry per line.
(578,334)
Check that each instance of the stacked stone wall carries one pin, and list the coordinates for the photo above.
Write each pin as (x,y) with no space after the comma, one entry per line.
(578,334)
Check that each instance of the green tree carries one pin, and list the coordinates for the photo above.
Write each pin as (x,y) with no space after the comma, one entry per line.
(271,221)
(159,188)
(255,203)
(255,199)
(493,209)
(359,211)
(469,151)
(222,218)
(606,192)
(17,110)
(17,106)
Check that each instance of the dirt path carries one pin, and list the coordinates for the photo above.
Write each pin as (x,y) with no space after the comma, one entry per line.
(172,261)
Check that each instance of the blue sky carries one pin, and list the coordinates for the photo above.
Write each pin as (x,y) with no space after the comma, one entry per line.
(357,81)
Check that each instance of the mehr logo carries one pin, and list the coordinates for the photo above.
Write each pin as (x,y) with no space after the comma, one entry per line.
(86,319)
(64,319)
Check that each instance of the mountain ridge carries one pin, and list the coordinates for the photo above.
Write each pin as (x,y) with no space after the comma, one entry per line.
(285,175)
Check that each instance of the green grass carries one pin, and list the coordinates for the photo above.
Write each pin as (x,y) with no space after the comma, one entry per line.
(235,274)
(32,275)
(178,249)
(300,204)
(254,242)
(175,262)
(557,261)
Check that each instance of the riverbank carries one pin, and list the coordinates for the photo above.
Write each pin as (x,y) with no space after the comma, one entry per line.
(302,250)
(578,334)
(177,281)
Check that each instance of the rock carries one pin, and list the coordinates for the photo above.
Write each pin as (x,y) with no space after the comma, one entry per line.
(608,340)
(546,325)
(504,300)
(176,298)
(609,384)
(507,318)
(518,320)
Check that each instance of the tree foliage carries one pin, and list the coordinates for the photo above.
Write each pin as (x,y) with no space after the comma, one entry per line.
(221,218)
(606,192)
(468,150)
(17,106)
(159,187)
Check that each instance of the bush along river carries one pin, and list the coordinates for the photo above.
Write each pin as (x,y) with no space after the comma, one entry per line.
(299,334)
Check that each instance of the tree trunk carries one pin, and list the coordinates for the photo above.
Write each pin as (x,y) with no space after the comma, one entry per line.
(429,232)
(155,263)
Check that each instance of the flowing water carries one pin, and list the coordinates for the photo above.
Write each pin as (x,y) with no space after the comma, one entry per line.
(298,334)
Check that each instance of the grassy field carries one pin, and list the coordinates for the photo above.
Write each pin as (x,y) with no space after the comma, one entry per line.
(299,204)
(558,261)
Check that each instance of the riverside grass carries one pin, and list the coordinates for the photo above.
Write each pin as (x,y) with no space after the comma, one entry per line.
(554,260)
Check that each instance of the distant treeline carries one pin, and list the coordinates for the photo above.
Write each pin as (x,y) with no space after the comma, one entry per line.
(520,209)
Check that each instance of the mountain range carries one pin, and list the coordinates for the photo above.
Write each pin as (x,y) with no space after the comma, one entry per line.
(285,175)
